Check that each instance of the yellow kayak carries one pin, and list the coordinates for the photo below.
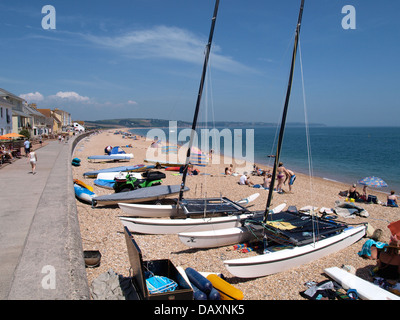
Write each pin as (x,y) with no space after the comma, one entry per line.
(82,184)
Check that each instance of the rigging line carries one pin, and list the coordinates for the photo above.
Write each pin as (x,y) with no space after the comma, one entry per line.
(283,122)
(309,154)
(194,123)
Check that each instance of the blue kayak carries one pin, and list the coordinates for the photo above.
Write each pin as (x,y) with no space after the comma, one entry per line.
(83,194)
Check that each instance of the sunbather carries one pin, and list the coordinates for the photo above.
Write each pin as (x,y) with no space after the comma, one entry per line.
(392,200)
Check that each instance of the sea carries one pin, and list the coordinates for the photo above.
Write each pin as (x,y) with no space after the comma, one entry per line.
(343,154)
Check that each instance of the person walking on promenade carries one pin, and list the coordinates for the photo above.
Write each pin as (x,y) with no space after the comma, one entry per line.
(33,160)
(27,146)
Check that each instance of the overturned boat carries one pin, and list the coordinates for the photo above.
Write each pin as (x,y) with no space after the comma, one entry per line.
(139,195)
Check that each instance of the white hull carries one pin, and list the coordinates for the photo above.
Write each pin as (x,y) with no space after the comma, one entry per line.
(149,210)
(216,238)
(366,290)
(175,226)
(112,175)
(165,210)
(274,262)
(219,238)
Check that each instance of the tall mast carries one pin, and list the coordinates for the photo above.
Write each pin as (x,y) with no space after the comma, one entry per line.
(285,109)
(196,112)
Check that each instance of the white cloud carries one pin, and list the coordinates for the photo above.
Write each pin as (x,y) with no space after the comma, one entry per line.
(166,42)
(71,96)
(32,96)
(132,102)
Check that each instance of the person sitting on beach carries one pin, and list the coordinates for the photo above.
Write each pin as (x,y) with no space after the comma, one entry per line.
(373,247)
(245,180)
(266,180)
(364,196)
(392,200)
(389,260)
(228,171)
(353,193)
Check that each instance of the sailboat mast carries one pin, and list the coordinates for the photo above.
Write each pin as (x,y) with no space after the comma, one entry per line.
(196,112)
(285,109)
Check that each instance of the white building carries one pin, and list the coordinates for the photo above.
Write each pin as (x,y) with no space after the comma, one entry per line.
(78,127)
(5,116)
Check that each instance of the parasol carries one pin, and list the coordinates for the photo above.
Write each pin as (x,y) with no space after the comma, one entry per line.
(373,182)
(11,136)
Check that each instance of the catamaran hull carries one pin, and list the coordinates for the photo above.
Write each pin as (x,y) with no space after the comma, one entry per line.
(175,226)
(149,210)
(165,210)
(274,262)
(216,238)
(225,237)
(139,195)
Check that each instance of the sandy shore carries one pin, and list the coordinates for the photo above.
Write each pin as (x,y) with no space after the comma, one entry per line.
(101,229)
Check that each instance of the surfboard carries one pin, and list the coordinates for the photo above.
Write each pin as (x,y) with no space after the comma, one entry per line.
(366,290)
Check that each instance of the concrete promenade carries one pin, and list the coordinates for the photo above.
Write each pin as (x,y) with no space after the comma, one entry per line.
(41,255)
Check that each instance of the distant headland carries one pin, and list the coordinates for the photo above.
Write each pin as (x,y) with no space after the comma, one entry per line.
(160,123)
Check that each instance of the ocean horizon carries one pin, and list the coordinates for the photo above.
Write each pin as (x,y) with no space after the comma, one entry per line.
(342,154)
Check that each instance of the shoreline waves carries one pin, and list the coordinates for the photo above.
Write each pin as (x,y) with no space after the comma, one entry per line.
(101,229)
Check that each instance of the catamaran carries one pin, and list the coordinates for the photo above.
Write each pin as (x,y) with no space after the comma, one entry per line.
(195,214)
(301,237)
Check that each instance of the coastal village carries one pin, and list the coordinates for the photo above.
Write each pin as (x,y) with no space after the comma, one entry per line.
(113,215)
(17,116)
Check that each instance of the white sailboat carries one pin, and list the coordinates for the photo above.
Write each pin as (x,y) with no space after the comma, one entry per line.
(202,214)
(307,237)
(304,238)
(278,261)
(170,210)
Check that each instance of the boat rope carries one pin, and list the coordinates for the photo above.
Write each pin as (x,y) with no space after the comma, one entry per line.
(309,154)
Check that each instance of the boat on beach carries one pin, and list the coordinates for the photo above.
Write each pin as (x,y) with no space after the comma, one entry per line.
(304,237)
(221,205)
(117,153)
(154,193)
(209,213)
(135,168)
(83,193)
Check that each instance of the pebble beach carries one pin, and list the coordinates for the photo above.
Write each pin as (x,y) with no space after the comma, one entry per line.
(102,230)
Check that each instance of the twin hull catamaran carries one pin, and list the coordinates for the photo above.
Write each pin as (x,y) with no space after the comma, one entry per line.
(304,237)
(205,208)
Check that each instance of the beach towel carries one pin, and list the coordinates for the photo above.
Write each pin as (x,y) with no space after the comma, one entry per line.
(159,284)
(366,248)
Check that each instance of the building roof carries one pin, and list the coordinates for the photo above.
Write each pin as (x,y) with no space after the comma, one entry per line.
(20,113)
(5,93)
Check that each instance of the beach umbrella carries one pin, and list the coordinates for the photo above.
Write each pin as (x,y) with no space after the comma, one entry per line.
(11,136)
(373,182)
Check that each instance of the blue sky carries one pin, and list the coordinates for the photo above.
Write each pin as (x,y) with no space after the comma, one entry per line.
(143,58)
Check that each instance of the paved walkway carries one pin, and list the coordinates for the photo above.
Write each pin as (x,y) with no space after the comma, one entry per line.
(40,246)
